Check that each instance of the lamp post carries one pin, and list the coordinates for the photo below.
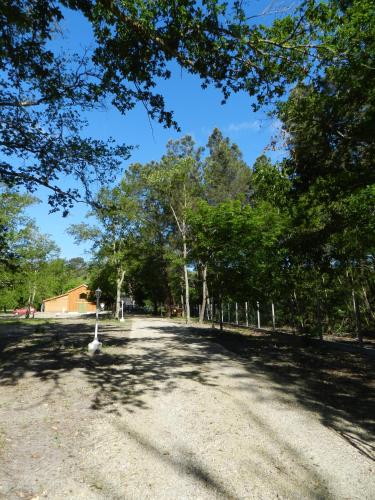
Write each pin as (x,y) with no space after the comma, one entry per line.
(95,345)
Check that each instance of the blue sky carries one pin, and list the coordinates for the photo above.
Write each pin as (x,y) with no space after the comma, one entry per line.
(197,111)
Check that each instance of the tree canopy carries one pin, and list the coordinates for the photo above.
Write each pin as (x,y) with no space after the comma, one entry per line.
(47,91)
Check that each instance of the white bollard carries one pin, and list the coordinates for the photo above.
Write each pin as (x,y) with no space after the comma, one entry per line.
(95,346)
(122,311)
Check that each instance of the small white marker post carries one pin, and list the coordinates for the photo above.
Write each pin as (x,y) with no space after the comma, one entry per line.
(258,314)
(273,317)
(236,313)
(228,313)
(95,345)
(122,310)
(247,314)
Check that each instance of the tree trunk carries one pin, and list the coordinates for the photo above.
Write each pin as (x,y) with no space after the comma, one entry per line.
(204,294)
(119,282)
(357,319)
(367,303)
(212,314)
(187,291)
(319,319)
(221,314)
(299,313)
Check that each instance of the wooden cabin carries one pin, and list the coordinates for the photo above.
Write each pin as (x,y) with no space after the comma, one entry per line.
(74,300)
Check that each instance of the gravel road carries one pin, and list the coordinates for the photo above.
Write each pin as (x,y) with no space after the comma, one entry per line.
(163,414)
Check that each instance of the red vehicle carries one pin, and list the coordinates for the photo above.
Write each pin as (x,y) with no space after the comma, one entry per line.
(24,311)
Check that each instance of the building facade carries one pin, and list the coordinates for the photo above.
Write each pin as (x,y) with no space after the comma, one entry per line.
(74,300)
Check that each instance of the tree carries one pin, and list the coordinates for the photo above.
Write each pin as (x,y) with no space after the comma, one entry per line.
(238,242)
(112,239)
(46,92)
(328,122)
(30,269)
(176,181)
(225,177)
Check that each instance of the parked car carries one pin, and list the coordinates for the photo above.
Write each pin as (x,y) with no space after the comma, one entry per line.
(24,311)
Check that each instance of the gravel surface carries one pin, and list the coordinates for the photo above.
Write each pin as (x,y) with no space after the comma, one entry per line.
(163,414)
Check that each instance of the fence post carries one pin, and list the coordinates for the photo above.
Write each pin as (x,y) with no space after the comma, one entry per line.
(247,314)
(258,314)
(228,313)
(236,313)
(273,317)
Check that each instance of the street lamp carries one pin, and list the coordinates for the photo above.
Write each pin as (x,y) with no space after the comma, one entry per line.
(95,345)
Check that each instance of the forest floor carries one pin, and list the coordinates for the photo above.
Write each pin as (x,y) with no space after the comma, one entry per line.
(169,412)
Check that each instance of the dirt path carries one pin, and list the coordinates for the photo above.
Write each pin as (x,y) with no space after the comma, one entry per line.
(166,414)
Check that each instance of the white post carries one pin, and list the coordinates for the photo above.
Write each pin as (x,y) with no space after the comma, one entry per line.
(273,317)
(228,313)
(122,311)
(236,313)
(96,327)
(258,314)
(97,319)
(95,345)
(222,313)
(247,314)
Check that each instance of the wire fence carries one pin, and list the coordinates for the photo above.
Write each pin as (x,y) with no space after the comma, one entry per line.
(258,315)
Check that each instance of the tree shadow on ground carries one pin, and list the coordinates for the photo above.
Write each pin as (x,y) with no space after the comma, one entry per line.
(336,386)
(118,378)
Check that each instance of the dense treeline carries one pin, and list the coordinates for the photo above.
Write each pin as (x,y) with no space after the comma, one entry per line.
(30,267)
(199,226)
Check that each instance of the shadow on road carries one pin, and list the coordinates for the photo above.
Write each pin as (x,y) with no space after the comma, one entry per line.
(336,386)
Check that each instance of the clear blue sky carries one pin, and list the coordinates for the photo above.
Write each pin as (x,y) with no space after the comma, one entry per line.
(197,112)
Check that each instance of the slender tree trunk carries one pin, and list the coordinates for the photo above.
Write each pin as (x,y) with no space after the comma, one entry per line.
(187,290)
(212,314)
(299,312)
(367,303)
(183,230)
(204,294)
(119,282)
(357,319)
(273,316)
(221,314)
(33,296)
(319,319)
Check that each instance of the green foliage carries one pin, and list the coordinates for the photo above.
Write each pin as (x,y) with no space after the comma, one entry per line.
(46,91)
(226,175)
(30,268)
